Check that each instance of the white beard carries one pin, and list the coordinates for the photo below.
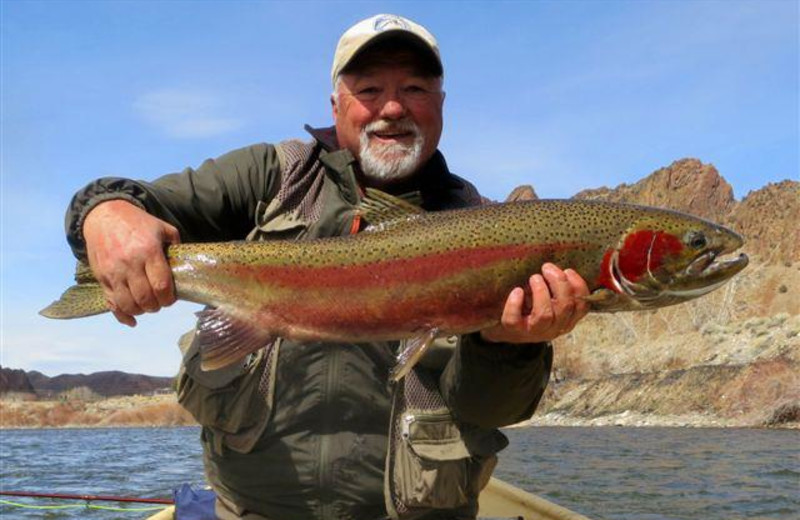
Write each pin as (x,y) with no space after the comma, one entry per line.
(390,162)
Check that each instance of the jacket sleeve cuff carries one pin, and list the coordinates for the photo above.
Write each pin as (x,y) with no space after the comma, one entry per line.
(501,351)
(491,385)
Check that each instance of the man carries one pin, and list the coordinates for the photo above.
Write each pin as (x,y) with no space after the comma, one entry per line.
(315,430)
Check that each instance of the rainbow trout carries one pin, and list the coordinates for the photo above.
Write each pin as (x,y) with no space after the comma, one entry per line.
(415,275)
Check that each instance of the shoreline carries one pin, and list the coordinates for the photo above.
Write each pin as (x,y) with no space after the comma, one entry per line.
(114,412)
(601,422)
(629,419)
(164,412)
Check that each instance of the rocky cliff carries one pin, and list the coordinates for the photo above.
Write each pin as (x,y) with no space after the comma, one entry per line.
(686,185)
(770,220)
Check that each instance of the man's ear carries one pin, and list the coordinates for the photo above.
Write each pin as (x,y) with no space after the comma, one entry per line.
(334,108)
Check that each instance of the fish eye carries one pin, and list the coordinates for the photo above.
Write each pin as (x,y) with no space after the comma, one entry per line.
(697,240)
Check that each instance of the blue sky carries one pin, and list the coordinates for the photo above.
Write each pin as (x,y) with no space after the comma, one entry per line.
(564,95)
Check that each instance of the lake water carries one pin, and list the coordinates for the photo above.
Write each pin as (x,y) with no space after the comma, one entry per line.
(604,473)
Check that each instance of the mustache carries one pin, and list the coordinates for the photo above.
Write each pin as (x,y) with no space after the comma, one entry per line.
(399,126)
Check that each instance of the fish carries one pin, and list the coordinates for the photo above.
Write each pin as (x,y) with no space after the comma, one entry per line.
(414,276)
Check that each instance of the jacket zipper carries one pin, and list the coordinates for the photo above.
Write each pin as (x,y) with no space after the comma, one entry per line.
(405,427)
(408,419)
(326,478)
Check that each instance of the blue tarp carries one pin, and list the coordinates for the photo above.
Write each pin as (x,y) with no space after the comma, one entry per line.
(194,504)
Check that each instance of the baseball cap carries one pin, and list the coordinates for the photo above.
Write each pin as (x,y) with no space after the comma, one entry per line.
(377,28)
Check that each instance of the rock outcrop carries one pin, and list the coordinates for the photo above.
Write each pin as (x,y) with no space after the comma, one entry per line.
(769,219)
(686,185)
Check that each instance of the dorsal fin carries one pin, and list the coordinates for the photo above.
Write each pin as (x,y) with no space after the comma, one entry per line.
(379,208)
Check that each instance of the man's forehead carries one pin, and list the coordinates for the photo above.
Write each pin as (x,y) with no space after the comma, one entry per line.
(375,71)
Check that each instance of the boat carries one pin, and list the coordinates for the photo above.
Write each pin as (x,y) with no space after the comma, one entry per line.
(498,499)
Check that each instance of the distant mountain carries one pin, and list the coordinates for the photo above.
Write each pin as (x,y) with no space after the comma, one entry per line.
(14,381)
(103,383)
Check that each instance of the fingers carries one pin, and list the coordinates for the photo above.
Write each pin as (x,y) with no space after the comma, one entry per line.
(125,246)
(579,290)
(512,311)
(125,319)
(129,285)
(127,292)
(159,278)
(171,234)
(563,297)
(144,300)
(557,306)
(542,316)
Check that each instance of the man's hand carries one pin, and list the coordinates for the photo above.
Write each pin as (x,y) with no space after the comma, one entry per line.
(125,246)
(556,308)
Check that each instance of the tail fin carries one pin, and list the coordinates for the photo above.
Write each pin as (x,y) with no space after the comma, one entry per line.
(81,300)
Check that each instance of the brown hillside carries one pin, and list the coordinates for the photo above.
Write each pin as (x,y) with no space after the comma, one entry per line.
(769,219)
(686,185)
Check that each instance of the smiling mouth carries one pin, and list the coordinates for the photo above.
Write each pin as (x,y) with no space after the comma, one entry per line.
(393,136)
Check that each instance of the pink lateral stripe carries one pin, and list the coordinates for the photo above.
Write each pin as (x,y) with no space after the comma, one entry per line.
(390,316)
(417,270)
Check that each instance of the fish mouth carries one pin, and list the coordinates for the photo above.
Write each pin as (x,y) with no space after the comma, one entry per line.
(704,274)
(709,264)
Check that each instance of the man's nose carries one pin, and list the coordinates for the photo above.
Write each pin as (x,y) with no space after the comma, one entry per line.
(393,106)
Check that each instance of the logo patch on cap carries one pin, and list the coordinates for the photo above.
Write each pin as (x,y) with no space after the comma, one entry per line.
(383,23)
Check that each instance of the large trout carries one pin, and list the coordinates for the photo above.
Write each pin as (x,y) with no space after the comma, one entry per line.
(431,274)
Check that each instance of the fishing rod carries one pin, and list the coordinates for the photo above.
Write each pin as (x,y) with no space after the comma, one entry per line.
(88,498)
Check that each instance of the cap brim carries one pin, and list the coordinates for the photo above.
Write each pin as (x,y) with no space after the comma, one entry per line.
(419,44)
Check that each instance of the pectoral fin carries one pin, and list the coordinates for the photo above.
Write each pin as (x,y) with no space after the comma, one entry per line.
(600,296)
(606,300)
(380,209)
(412,353)
(225,339)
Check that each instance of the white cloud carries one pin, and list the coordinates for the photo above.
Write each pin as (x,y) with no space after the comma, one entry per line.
(186,113)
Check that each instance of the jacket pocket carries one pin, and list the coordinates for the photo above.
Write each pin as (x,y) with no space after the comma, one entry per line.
(228,401)
(274,222)
(431,464)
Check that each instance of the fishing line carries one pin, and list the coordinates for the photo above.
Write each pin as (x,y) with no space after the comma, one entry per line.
(79,506)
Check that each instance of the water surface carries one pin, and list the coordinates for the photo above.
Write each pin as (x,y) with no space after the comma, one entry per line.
(604,473)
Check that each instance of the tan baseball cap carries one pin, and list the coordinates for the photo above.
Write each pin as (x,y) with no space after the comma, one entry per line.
(376,28)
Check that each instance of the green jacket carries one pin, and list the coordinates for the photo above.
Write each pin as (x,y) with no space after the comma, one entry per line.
(315,430)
